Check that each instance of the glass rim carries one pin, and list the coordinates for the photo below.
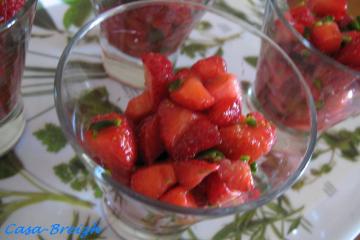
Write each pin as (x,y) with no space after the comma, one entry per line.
(306,43)
(9,23)
(218,211)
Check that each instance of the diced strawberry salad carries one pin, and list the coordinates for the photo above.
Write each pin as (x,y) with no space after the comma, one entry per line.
(327,25)
(184,140)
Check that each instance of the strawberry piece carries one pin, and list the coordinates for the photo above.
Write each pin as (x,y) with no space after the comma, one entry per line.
(252,137)
(154,180)
(224,86)
(199,136)
(225,112)
(191,93)
(303,15)
(111,139)
(179,196)
(150,144)
(326,36)
(322,8)
(236,175)
(8,9)
(191,172)
(158,74)
(174,120)
(217,192)
(350,54)
(139,107)
(209,68)
(184,73)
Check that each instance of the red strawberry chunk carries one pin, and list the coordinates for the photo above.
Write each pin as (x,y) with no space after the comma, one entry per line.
(253,137)
(115,132)
(158,74)
(225,112)
(303,15)
(184,73)
(209,68)
(350,54)
(218,193)
(8,9)
(236,175)
(224,86)
(154,180)
(326,37)
(335,8)
(150,144)
(179,196)
(174,120)
(199,136)
(191,93)
(139,107)
(191,172)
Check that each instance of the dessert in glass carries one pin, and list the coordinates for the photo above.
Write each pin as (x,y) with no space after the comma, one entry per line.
(16,19)
(170,155)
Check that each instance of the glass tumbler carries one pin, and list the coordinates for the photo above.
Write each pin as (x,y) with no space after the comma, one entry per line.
(81,92)
(334,86)
(156,29)
(14,37)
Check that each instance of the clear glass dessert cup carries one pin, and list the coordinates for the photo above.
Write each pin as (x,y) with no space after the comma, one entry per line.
(83,89)
(334,86)
(14,38)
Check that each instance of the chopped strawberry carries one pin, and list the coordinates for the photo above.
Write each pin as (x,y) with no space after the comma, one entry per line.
(191,93)
(252,137)
(8,9)
(199,136)
(303,15)
(174,120)
(191,172)
(184,73)
(209,68)
(350,54)
(218,193)
(179,196)
(150,144)
(326,36)
(322,8)
(158,74)
(111,139)
(154,180)
(224,86)
(139,107)
(236,175)
(225,112)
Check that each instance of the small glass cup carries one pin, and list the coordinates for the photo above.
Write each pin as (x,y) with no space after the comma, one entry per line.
(14,37)
(122,48)
(80,92)
(334,86)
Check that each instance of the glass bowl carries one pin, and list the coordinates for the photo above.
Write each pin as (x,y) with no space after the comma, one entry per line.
(83,89)
(334,86)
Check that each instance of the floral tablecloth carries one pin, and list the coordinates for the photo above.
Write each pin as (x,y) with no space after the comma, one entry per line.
(43,183)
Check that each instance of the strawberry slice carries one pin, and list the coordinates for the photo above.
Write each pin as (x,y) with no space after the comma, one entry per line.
(150,144)
(154,180)
(158,74)
(236,175)
(224,86)
(179,196)
(115,132)
(303,15)
(209,68)
(326,36)
(139,107)
(350,54)
(199,136)
(191,93)
(251,138)
(217,192)
(322,8)
(191,172)
(174,120)
(225,112)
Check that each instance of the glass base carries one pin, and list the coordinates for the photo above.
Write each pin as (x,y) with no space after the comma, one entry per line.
(11,129)
(126,232)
